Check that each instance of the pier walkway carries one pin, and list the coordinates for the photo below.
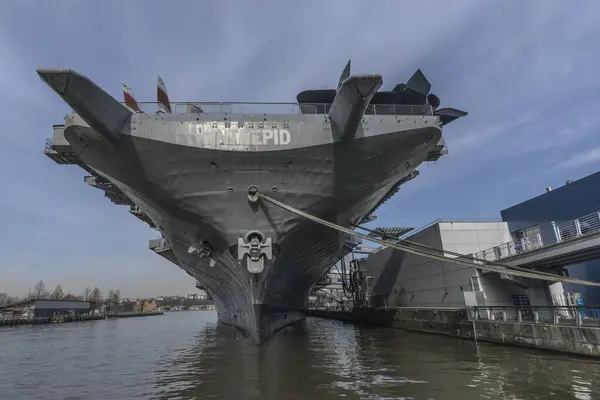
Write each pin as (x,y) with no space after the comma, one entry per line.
(562,244)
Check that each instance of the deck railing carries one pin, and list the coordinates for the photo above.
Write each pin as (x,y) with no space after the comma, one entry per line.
(557,233)
(282,108)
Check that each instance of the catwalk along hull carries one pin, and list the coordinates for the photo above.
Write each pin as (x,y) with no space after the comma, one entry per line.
(190,174)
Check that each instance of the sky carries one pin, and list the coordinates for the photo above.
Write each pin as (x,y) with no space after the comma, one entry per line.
(527,73)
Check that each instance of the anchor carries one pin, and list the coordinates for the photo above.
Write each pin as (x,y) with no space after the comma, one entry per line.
(252,247)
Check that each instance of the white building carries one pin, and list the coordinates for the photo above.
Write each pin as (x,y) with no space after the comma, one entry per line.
(401,279)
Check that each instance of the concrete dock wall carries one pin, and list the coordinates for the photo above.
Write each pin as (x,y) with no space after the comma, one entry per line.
(456,323)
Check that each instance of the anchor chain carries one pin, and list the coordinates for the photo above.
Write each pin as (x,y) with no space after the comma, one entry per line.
(492,267)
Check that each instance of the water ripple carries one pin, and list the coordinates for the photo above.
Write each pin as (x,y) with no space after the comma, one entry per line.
(190,356)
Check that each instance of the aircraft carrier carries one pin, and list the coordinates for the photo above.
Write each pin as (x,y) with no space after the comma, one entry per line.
(192,171)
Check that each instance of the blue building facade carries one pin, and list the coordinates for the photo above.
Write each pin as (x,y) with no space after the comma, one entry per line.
(573,200)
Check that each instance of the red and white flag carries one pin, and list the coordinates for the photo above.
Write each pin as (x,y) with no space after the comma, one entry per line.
(130,99)
(163,98)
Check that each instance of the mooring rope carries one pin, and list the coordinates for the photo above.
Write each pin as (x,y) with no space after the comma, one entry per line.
(492,267)
(453,253)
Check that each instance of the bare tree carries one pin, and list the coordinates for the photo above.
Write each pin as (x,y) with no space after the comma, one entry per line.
(39,291)
(111,300)
(86,293)
(95,297)
(58,293)
(6,299)
(71,296)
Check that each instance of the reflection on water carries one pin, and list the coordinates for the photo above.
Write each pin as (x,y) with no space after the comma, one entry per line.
(187,355)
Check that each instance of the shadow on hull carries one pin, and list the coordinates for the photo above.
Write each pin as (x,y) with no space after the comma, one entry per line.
(270,320)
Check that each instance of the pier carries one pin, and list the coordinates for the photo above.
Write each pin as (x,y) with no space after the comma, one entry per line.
(43,311)
(535,327)
(76,318)
(50,320)
(406,291)
(557,246)
(134,314)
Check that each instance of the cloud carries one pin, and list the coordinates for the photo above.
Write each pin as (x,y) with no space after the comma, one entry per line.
(525,72)
(580,159)
(531,94)
(480,135)
(516,83)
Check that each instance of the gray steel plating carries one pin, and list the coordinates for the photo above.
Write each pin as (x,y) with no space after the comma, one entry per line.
(190,174)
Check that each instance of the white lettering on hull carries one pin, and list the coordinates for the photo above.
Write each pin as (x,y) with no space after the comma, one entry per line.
(215,134)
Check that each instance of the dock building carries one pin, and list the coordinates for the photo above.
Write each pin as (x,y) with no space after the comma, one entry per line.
(575,206)
(557,232)
(38,308)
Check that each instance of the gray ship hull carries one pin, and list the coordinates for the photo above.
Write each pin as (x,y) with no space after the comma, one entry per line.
(194,190)
(195,202)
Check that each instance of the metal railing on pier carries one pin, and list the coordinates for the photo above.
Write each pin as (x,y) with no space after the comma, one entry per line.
(588,316)
(553,315)
(557,233)
(282,108)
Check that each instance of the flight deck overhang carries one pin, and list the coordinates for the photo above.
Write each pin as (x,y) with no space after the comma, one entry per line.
(60,151)
(162,248)
(58,138)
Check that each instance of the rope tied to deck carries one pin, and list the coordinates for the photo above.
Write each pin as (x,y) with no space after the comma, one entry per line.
(491,267)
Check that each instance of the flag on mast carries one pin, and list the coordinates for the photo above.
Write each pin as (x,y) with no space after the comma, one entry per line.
(130,99)
(163,98)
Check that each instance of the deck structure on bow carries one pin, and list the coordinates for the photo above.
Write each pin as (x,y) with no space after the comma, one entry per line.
(186,168)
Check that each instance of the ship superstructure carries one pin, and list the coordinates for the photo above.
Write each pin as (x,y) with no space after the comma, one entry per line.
(192,171)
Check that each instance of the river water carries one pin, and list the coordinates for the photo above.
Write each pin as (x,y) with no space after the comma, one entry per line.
(187,355)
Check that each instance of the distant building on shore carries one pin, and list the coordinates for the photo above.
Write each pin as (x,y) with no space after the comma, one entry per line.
(138,306)
(36,308)
(145,306)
